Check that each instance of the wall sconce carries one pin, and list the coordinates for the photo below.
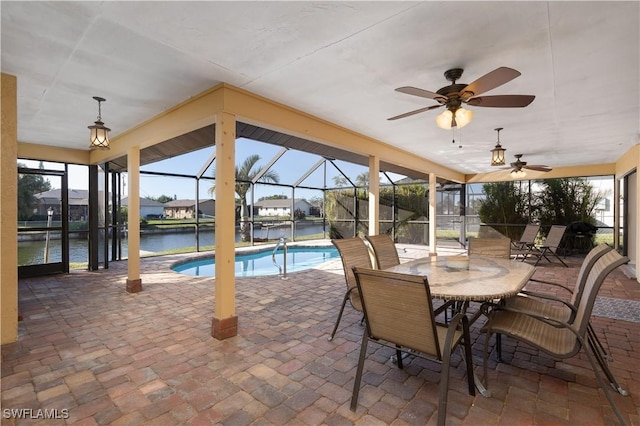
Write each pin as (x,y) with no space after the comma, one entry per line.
(99,133)
(497,153)
(447,119)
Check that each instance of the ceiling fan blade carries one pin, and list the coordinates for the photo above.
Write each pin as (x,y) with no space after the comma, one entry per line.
(410,113)
(538,167)
(502,101)
(489,81)
(420,92)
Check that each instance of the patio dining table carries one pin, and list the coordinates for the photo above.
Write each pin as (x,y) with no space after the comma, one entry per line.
(485,279)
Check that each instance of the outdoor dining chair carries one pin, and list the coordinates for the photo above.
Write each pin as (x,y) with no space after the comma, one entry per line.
(550,245)
(399,314)
(353,252)
(527,241)
(384,250)
(557,338)
(490,247)
(536,303)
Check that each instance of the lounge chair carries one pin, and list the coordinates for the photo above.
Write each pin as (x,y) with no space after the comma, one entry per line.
(399,314)
(353,252)
(550,245)
(527,241)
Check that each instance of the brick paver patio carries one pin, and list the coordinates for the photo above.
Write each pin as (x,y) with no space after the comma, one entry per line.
(99,355)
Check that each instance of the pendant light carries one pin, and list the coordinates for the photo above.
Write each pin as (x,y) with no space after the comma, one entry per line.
(99,133)
(497,153)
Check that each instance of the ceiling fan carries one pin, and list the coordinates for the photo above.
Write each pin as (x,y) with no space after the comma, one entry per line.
(454,95)
(518,166)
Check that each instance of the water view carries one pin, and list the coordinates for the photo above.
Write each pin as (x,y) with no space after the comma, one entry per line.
(32,252)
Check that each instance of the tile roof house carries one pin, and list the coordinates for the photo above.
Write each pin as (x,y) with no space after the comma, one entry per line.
(78,203)
(149,209)
(185,209)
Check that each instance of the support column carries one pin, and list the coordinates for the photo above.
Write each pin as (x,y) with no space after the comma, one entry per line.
(636,215)
(134,282)
(225,321)
(9,209)
(432,214)
(374,195)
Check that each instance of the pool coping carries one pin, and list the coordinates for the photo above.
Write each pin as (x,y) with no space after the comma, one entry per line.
(250,250)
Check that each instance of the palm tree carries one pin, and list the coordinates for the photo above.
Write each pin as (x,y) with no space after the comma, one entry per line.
(245,174)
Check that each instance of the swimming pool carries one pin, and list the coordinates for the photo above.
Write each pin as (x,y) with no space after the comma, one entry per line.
(261,263)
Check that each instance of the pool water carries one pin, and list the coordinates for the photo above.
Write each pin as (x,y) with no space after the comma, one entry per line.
(261,263)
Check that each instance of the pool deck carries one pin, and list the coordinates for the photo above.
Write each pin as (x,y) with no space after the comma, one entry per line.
(111,357)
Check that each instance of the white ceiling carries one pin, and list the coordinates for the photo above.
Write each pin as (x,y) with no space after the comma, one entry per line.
(339,61)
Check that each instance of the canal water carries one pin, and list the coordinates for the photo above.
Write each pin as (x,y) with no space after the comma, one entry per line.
(32,252)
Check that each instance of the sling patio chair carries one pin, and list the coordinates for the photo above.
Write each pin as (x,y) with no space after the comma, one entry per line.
(353,252)
(490,247)
(536,303)
(557,338)
(527,241)
(399,314)
(384,250)
(550,245)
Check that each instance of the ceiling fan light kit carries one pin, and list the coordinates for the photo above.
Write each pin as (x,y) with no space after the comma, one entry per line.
(448,120)
(518,174)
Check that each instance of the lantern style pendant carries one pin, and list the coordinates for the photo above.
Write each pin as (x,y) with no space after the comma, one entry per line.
(99,137)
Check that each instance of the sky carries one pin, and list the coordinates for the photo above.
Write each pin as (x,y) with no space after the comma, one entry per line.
(290,168)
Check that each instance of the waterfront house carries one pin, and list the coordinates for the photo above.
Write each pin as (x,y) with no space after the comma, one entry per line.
(186,209)
(282,207)
(78,204)
(149,209)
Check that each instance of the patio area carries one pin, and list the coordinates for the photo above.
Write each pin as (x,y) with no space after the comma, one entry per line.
(110,357)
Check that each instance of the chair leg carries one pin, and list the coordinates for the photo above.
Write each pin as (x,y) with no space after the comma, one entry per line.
(601,349)
(466,336)
(358,378)
(399,357)
(560,259)
(485,360)
(335,328)
(604,365)
(588,348)
(499,346)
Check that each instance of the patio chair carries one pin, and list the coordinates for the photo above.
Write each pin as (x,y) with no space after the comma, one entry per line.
(527,241)
(490,247)
(536,303)
(353,252)
(550,245)
(557,338)
(384,250)
(399,314)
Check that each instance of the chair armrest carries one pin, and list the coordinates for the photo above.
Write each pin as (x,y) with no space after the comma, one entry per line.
(549,297)
(489,307)
(552,283)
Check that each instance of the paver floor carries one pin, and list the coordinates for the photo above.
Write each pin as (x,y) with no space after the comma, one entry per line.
(95,354)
